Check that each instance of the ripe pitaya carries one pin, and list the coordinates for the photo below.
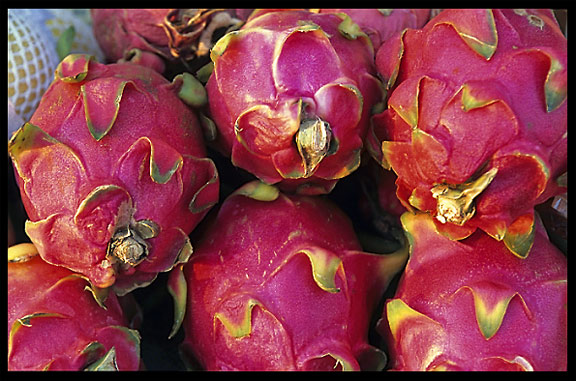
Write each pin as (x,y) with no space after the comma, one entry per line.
(112,172)
(295,109)
(279,282)
(58,321)
(476,125)
(381,24)
(466,305)
(35,42)
(162,35)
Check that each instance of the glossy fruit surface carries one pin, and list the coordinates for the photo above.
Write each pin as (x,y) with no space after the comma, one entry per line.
(58,321)
(295,110)
(466,305)
(476,124)
(280,282)
(112,172)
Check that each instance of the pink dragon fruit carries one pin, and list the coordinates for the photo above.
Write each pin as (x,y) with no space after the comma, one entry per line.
(112,172)
(466,305)
(279,282)
(381,24)
(161,35)
(295,110)
(476,125)
(58,321)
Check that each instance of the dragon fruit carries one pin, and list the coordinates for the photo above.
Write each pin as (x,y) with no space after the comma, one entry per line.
(466,305)
(381,24)
(279,282)
(161,35)
(294,111)
(476,124)
(112,172)
(58,321)
(35,42)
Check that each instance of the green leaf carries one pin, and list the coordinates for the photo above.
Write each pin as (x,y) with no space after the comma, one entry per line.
(73,68)
(159,176)
(28,137)
(555,87)
(177,288)
(222,44)
(398,313)
(106,363)
(519,236)
(21,252)
(26,321)
(207,195)
(349,29)
(405,103)
(239,326)
(161,158)
(105,205)
(192,91)
(101,98)
(491,302)
(130,346)
(204,73)
(399,45)
(98,196)
(325,264)
(472,98)
(259,191)
(340,362)
(92,352)
(100,294)
(64,43)
(478,30)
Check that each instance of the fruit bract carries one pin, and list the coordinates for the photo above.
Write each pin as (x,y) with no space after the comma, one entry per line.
(466,305)
(161,35)
(294,110)
(112,172)
(279,282)
(476,125)
(36,44)
(58,321)
(381,24)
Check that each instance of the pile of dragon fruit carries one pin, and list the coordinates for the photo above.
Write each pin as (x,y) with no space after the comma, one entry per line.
(312,189)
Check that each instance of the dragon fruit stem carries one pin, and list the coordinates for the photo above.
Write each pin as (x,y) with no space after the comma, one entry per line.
(313,141)
(456,202)
(128,245)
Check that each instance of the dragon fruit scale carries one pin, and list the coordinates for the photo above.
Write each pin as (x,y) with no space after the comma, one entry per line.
(279,282)
(466,305)
(58,321)
(294,111)
(163,36)
(381,24)
(113,172)
(476,124)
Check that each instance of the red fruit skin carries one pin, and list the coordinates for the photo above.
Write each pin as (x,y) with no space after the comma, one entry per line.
(120,30)
(304,69)
(252,267)
(162,35)
(59,341)
(454,113)
(380,25)
(149,164)
(436,322)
